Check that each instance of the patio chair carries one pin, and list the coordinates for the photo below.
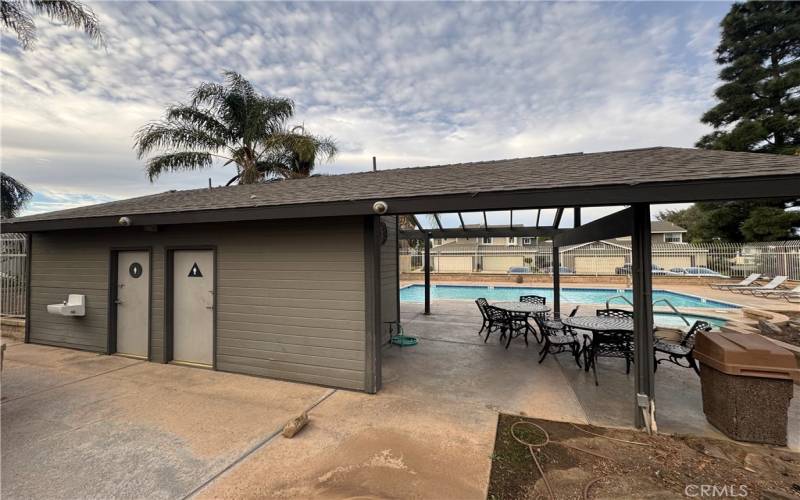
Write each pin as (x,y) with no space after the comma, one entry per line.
(684,350)
(507,323)
(745,282)
(556,323)
(533,299)
(775,284)
(607,344)
(482,303)
(776,293)
(615,313)
(558,340)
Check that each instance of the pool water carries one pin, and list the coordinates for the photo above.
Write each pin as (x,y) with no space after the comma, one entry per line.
(416,293)
(674,321)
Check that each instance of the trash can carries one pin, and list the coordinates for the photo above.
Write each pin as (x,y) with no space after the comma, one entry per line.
(747,383)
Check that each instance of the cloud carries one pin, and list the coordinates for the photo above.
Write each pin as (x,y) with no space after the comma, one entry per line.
(410,83)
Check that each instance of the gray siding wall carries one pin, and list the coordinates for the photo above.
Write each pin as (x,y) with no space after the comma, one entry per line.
(389,283)
(290,294)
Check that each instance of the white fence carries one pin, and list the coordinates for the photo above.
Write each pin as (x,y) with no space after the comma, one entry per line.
(14,274)
(612,257)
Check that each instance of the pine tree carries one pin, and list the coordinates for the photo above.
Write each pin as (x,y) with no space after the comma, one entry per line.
(759,101)
(758,111)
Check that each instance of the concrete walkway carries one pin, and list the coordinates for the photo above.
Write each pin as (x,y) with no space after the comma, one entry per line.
(82,425)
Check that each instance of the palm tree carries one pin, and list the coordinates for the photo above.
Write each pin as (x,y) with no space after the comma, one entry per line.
(13,196)
(17,16)
(232,123)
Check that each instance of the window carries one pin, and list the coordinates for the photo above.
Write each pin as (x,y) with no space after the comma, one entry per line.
(527,241)
(512,241)
(673,238)
(487,240)
(438,241)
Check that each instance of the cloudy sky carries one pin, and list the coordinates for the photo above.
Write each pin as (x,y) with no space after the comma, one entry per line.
(411,83)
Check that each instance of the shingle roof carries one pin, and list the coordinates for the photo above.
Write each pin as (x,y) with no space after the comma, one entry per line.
(665,226)
(615,168)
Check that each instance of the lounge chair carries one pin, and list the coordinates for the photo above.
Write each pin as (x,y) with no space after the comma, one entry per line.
(777,293)
(745,282)
(775,284)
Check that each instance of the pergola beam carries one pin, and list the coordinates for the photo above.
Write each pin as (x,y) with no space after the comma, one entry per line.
(611,226)
(559,214)
(416,222)
(492,232)
(461,219)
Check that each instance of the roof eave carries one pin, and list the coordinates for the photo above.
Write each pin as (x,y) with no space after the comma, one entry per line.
(601,195)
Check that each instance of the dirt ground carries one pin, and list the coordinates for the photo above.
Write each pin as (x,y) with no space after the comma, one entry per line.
(581,465)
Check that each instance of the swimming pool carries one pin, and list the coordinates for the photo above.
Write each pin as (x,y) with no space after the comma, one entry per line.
(416,293)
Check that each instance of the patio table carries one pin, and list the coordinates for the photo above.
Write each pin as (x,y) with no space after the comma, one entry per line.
(526,308)
(522,307)
(599,323)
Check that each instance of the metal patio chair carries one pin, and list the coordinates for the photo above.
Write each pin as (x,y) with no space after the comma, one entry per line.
(482,303)
(555,321)
(609,344)
(507,323)
(615,313)
(684,350)
(558,340)
(533,299)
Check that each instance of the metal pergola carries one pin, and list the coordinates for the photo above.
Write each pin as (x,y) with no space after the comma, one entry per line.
(633,221)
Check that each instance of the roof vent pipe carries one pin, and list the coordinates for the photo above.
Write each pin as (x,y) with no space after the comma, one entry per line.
(374,164)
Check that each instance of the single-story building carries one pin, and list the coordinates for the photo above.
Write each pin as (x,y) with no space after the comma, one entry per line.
(297,279)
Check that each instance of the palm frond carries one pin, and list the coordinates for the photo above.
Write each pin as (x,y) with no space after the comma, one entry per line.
(209,94)
(13,196)
(170,135)
(200,119)
(71,13)
(173,162)
(14,17)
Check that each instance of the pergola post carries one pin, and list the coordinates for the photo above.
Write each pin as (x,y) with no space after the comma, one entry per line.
(642,311)
(556,265)
(427,273)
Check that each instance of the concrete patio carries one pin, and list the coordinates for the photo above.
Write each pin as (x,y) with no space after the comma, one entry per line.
(108,426)
(568,392)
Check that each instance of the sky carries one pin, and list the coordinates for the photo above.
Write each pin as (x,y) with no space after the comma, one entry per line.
(410,83)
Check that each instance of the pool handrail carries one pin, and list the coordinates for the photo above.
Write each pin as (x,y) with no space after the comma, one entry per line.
(667,302)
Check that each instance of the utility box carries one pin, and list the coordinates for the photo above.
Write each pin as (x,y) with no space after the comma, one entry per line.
(747,384)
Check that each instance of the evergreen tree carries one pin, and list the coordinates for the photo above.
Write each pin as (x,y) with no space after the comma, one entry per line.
(759,101)
(758,110)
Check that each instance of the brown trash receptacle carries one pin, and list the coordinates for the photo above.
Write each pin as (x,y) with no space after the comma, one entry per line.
(747,384)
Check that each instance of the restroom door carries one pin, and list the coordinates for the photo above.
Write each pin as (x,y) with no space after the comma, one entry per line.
(193,307)
(133,303)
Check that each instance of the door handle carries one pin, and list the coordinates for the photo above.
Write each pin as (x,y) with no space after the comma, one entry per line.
(117,301)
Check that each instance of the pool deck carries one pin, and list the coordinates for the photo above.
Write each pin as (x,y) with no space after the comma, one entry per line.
(452,361)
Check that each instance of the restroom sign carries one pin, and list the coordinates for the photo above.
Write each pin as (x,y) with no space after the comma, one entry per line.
(135,270)
(195,272)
